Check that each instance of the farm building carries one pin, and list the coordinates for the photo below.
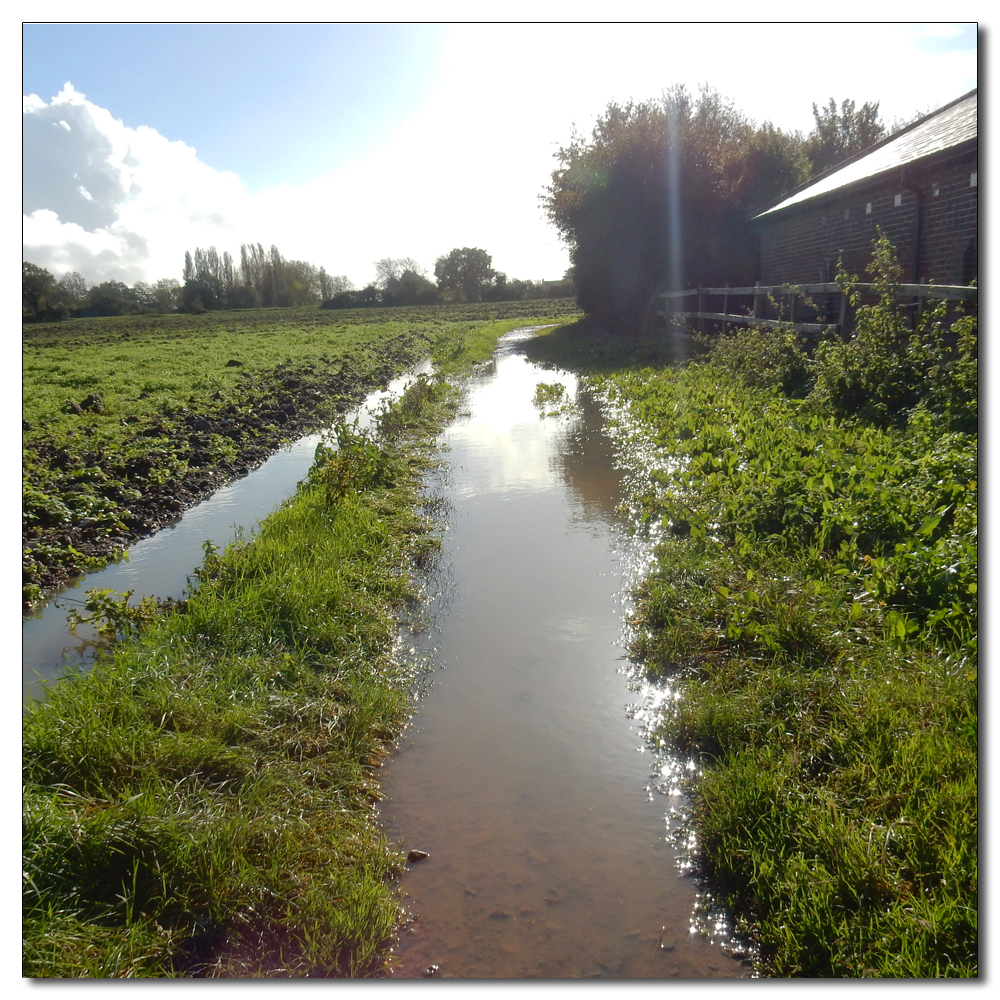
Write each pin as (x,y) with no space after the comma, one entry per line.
(920,186)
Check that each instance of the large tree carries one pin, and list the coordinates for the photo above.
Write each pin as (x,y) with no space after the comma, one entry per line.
(842,132)
(465,273)
(662,193)
(71,291)
(390,269)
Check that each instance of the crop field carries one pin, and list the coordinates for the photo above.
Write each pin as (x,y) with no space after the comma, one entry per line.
(129,420)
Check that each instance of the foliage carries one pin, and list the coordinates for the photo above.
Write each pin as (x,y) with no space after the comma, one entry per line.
(411,288)
(887,368)
(464,274)
(764,357)
(38,288)
(841,132)
(662,193)
(814,602)
(113,615)
(552,399)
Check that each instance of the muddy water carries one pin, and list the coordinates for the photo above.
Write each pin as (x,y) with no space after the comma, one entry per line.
(162,564)
(524,775)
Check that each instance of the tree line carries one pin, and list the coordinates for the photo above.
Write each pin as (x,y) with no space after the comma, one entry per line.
(662,193)
(265,278)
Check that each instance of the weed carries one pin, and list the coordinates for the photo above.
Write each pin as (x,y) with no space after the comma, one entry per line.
(200,803)
(815,601)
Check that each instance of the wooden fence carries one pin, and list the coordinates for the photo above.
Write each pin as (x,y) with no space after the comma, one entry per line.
(811,310)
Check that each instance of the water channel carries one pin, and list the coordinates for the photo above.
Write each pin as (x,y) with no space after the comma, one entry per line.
(525,776)
(162,564)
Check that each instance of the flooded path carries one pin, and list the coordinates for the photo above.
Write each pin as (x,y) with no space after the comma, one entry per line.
(522,775)
(161,564)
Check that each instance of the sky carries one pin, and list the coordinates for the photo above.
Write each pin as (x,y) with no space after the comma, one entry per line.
(346,143)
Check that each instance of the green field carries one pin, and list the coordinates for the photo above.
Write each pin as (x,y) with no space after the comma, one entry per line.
(128,420)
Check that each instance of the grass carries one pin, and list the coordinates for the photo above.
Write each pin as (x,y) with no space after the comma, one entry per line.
(814,600)
(200,803)
(128,419)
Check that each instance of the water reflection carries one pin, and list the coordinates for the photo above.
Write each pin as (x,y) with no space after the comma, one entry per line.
(522,775)
(161,564)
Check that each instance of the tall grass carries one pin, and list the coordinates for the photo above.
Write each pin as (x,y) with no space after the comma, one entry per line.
(200,803)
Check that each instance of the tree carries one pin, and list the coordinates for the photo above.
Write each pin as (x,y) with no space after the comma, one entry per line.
(166,294)
(841,133)
(38,287)
(410,289)
(71,291)
(141,293)
(390,269)
(112,298)
(662,193)
(331,285)
(301,283)
(464,274)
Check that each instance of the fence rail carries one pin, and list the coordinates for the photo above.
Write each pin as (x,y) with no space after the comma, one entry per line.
(800,299)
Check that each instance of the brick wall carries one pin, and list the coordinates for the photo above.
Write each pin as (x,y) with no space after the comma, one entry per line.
(803,244)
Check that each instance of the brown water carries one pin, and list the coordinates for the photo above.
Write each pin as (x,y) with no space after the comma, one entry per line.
(525,775)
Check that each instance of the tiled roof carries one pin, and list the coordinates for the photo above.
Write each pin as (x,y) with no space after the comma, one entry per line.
(942,129)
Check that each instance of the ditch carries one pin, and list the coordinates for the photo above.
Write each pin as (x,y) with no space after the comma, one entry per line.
(525,776)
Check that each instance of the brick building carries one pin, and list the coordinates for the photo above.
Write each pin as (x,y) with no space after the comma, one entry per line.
(920,186)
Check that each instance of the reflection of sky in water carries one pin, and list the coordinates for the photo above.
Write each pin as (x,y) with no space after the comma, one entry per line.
(505,424)
(161,564)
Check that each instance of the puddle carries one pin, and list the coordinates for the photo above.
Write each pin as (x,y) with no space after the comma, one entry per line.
(524,774)
(161,564)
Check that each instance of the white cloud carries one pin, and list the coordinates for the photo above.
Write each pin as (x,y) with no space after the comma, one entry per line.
(114,202)
(467,169)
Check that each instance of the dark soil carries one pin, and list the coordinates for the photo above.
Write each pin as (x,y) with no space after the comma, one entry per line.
(278,407)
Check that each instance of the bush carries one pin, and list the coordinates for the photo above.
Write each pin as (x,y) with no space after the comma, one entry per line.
(765,358)
(888,368)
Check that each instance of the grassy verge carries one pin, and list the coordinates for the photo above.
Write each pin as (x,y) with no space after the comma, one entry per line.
(199,804)
(814,602)
(129,420)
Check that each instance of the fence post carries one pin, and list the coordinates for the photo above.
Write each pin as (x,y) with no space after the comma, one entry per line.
(725,309)
(756,300)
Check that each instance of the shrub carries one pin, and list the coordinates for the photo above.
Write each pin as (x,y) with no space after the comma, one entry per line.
(887,368)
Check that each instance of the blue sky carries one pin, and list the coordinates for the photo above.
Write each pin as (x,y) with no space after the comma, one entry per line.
(345,143)
(276,103)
